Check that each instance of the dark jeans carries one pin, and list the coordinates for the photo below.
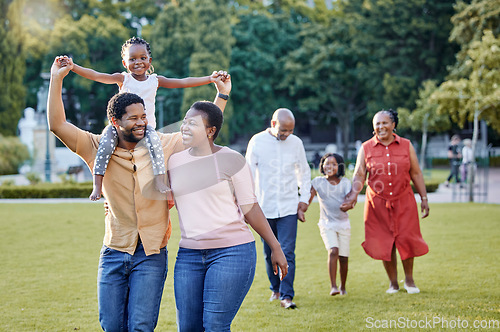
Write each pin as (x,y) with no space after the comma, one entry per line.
(454,171)
(285,230)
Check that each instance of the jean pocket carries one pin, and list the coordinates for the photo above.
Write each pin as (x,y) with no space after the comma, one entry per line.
(105,251)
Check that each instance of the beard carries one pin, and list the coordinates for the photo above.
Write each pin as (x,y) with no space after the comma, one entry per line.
(130,137)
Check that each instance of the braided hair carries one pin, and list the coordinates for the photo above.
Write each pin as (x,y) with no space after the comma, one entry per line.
(138,41)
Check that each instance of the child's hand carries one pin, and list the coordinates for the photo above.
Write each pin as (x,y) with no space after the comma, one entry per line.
(223,82)
(61,66)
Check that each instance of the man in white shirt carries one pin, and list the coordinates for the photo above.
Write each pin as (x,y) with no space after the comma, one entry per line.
(283,180)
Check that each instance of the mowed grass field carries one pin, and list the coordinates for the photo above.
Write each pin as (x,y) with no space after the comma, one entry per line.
(50,256)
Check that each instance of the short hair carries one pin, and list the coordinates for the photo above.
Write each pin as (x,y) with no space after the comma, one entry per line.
(338,159)
(119,102)
(136,41)
(392,114)
(213,114)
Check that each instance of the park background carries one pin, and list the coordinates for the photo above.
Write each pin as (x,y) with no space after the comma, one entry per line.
(333,63)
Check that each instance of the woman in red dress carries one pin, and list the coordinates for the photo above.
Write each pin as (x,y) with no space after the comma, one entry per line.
(391,213)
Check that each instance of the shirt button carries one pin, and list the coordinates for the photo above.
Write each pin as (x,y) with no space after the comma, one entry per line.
(387,155)
(390,184)
(389,163)
(390,193)
(389,173)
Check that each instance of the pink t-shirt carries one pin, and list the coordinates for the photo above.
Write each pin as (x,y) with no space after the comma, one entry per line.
(208,192)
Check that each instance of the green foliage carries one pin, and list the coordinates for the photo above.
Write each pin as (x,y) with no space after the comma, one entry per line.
(407,44)
(212,51)
(173,39)
(33,178)
(479,92)
(47,190)
(94,43)
(12,66)
(13,154)
(257,69)
(324,75)
(425,114)
(469,23)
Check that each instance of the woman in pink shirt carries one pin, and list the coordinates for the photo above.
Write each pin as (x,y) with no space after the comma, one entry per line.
(214,195)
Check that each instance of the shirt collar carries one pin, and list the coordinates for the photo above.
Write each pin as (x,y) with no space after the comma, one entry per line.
(374,140)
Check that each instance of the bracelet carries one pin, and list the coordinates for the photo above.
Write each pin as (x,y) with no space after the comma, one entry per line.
(423,198)
(223,96)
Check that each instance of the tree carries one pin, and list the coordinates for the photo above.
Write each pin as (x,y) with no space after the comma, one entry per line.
(425,117)
(211,51)
(12,66)
(257,66)
(95,43)
(407,43)
(324,75)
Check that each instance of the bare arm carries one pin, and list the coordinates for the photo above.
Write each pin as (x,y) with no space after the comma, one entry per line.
(223,85)
(93,75)
(56,116)
(188,82)
(418,181)
(255,217)
(358,181)
(313,193)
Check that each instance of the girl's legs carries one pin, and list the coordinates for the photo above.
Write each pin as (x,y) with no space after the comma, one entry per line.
(343,262)
(153,144)
(333,256)
(392,271)
(107,146)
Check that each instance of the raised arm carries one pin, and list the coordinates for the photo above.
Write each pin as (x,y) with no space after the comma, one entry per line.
(93,75)
(223,85)
(56,116)
(188,82)
(418,181)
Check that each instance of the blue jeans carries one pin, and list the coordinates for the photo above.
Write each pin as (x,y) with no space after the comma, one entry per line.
(285,230)
(210,285)
(129,289)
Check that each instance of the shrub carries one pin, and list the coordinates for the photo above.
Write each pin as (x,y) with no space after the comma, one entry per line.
(47,190)
(13,154)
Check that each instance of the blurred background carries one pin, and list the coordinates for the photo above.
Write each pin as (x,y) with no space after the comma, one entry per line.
(333,63)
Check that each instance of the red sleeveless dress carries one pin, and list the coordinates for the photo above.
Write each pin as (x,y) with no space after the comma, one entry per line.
(391,213)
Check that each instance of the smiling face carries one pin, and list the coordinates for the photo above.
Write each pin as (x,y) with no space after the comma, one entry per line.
(330,166)
(383,126)
(132,126)
(137,60)
(282,129)
(195,130)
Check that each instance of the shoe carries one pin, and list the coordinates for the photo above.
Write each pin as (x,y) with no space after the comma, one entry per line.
(392,290)
(343,292)
(274,296)
(334,291)
(288,304)
(411,290)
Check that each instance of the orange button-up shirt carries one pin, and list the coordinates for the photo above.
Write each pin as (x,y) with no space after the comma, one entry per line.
(135,206)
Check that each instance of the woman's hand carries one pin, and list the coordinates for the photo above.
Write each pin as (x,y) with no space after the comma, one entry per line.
(350,201)
(424,208)
(61,66)
(279,261)
(223,82)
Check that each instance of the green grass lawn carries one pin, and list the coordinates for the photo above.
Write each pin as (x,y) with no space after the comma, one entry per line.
(49,269)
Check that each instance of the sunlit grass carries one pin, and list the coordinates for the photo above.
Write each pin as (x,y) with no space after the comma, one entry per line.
(48,275)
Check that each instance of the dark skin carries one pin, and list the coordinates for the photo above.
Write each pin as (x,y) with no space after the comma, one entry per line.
(330,169)
(384,129)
